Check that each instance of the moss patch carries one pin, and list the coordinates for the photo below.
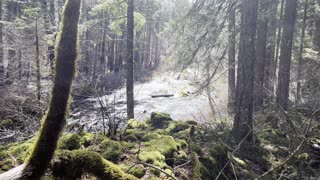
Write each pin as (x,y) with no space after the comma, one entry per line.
(111,150)
(159,120)
(152,157)
(87,139)
(166,145)
(176,126)
(69,142)
(151,136)
(72,164)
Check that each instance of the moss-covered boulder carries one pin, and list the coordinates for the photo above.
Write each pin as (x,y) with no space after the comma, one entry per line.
(133,134)
(135,124)
(138,171)
(69,142)
(166,145)
(176,126)
(73,164)
(152,157)
(111,150)
(151,136)
(87,139)
(160,120)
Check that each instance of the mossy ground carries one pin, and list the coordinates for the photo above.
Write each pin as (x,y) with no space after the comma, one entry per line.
(182,149)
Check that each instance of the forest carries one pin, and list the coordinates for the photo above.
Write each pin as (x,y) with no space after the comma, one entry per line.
(160,89)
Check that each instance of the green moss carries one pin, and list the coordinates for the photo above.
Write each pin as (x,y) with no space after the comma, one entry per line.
(130,138)
(182,155)
(181,143)
(183,94)
(191,122)
(3,155)
(196,148)
(111,150)
(21,151)
(153,157)
(304,157)
(87,139)
(272,136)
(196,167)
(176,126)
(151,136)
(237,160)
(166,145)
(185,134)
(138,171)
(6,165)
(135,124)
(134,132)
(69,142)
(6,122)
(159,120)
(208,167)
(220,153)
(164,176)
(73,164)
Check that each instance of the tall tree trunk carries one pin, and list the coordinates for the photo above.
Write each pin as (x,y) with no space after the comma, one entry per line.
(269,77)
(111,46)
(55,118)
(130,34)
(299,73)
(261,44)
(231,58)
(38,65)
(1,46)
(285,53)
(280,22)
(316,29)
(103,46)
(242,126)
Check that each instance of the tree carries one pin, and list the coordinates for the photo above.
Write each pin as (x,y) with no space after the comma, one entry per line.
(244,91)
(285,53)
(55,118)
(1,46)
(303,29)
(130,34)
(232,58)
(316,28)
(261,44)
(269,76)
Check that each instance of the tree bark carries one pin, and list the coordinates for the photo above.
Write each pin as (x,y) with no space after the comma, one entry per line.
(303,30)
(269,77)
(280,22)
(261,44)
(1,46)
(316,29)
(55,118)
(231,58)
(130,34)
(244,90)
(38,65)
(285,53)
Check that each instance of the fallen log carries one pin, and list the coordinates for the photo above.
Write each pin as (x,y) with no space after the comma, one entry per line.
(162,95)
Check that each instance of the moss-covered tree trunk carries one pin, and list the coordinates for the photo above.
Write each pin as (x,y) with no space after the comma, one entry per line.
(55,118)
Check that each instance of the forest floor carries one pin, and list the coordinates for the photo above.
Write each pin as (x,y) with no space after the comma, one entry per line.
(178,137)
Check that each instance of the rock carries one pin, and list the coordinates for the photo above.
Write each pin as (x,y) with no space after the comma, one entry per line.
(159,120)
